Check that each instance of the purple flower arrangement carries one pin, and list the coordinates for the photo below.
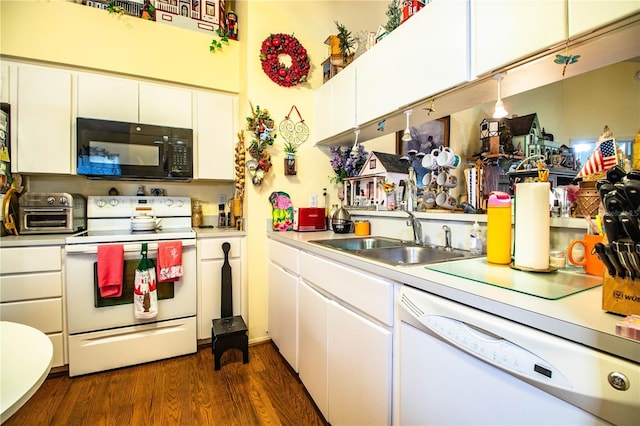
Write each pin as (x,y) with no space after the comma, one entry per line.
(347,162)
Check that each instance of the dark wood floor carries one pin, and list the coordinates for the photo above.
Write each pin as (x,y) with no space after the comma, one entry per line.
(179,391)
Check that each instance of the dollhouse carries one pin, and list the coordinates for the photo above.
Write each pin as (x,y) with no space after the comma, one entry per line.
(366,190)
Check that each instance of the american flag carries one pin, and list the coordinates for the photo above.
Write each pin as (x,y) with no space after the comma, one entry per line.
(603,158)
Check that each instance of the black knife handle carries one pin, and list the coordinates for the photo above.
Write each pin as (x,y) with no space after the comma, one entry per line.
(630,225)
(600,251)
(611,227)
(613,258)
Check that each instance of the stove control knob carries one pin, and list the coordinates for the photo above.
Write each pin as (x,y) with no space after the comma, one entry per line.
(100,203)
(114,202)
(51,200)
(168,202)
(179,203)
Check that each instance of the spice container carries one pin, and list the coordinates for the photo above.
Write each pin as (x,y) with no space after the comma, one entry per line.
(557,259)
(196,215)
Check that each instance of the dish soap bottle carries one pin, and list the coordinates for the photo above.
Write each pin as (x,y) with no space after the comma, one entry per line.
(475,239)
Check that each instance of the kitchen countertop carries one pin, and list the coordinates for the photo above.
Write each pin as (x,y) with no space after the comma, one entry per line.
(578,317)
(60,239)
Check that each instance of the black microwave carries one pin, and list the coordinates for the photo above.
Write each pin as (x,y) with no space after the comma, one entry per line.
(133,151)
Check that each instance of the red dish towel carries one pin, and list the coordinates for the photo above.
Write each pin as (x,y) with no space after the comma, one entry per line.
(169,261)
(110,268)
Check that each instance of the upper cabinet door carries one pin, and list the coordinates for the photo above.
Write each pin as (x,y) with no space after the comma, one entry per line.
(585,16)
(505,31)
(4,82)
(322,112)
(165,106)
(434,50)
(343,100)
(378,75)
(215,135)
(107,98)
(44,120)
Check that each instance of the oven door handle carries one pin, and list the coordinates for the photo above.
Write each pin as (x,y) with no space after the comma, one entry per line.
(128,248)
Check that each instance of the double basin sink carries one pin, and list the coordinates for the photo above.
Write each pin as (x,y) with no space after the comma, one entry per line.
(393,251)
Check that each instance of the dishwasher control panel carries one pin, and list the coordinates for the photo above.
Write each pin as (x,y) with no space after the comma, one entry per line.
(494,349)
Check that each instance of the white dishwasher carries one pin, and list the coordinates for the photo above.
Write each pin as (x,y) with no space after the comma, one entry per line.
(463,366)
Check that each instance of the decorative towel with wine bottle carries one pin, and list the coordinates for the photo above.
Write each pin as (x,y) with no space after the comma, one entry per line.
(145,294)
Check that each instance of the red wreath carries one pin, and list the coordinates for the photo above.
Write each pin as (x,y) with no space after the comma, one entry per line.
(284,44)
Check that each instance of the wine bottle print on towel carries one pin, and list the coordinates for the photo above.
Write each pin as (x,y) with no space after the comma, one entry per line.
(145,294)
(282,211)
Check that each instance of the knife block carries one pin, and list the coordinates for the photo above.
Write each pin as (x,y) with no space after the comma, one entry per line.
(620,295)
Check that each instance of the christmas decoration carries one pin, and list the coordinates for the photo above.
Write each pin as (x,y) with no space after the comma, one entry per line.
(261,125)
(277,45)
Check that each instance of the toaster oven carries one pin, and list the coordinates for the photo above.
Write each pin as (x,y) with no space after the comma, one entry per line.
(52,213)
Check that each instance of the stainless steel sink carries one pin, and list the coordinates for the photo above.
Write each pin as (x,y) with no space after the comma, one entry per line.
(394,251)
(413,255)
(360,243)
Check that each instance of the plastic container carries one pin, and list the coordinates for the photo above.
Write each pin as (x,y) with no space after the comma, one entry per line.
(499,228)
(475,239)
(362,228)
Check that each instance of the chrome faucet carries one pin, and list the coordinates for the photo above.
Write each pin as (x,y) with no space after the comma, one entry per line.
(414,222)
(447,238)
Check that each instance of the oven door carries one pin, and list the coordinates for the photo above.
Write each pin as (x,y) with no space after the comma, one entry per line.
(87,311)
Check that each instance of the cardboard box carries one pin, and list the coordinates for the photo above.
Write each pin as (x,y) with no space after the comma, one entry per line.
(621,296)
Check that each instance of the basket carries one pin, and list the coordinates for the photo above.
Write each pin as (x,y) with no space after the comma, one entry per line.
(588,199)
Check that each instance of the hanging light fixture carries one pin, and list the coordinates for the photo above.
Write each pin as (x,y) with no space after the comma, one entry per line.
(407,135)
(499,110)
(354,149)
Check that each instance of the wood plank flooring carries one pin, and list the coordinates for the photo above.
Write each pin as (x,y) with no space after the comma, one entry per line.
(179,391)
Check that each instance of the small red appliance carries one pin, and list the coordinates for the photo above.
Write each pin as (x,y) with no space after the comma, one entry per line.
(309,219)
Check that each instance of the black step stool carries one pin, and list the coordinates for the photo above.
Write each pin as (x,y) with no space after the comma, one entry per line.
(228,332)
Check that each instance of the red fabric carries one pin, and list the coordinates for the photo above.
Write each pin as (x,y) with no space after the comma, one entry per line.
(169,265)
(110,269)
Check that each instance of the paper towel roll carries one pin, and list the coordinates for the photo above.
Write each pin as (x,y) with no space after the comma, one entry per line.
(531,248)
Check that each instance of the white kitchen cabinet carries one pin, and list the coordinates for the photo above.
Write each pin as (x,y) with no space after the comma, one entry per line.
(214,133)
(107,98)
(121,99)
(585,16)
(433,51)
(31,283)
(283,300)
(313,351)
(283,318)
(505,31)
(335,104)
(41,143)
(4,82)
(345,341)
(165,105)
(357,348)
(209,280)
(323,112)
(378,79)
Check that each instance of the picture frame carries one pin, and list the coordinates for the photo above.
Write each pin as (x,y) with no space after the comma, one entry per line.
(424,138)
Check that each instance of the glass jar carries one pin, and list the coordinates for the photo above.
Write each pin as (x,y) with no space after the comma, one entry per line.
(196,214)
(557,259)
